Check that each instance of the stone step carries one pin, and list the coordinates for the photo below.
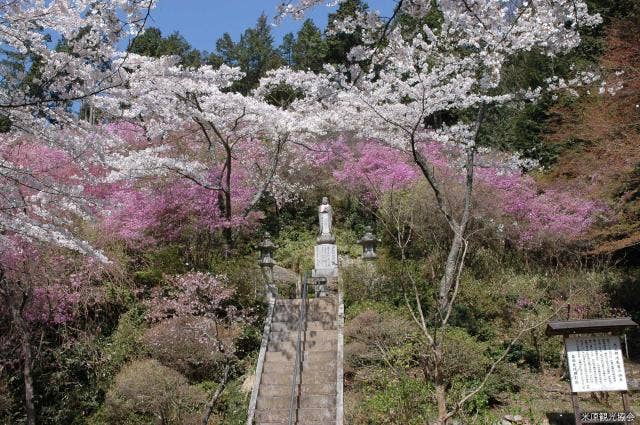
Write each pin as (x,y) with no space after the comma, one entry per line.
(312,356)
(321,376)
(311,326)
(306,416)
(318,377)
(292,336)
(280,361)
(317,404)
(318,305)
(290,347)
(311,301)
(274,390)
(306,401)
(307,366)
(314,316)
(295,310)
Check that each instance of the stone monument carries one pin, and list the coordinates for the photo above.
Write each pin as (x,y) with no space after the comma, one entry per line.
(326,251)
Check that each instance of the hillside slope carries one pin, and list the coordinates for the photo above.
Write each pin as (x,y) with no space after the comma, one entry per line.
(604,132)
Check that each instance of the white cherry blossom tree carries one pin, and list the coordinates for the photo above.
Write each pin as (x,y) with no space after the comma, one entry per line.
(446,57)
(55,54)
(200,130)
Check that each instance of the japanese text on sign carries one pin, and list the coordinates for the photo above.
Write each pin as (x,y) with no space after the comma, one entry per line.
(595,363)
(606,417)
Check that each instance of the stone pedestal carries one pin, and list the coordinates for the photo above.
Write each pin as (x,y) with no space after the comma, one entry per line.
(326,261)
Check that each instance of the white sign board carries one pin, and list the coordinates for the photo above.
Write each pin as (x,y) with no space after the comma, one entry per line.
(595,363)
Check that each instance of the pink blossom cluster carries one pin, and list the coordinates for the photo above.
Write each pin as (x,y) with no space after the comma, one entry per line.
(191,294)
(536,215)
(146,215)
(506,196)
(148,210)
(374,167)
(49,288)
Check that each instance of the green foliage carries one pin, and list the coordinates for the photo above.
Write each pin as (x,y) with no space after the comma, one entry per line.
(402,401)
(347,241)
(253,53)
(295,248)
(358,307)
(339,44)
(157,262)
(6,402)
(309,48)
(145,391)
(123,345)
(286,48)
(243,274)
(5,123)
(71,386)
(232,405)
(363,282)
(385,280)
(152,43)
(522,127)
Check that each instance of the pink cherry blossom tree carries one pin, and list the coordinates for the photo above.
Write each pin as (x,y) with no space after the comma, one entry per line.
(506,198)
(42,289)
(45,149)
(207,299)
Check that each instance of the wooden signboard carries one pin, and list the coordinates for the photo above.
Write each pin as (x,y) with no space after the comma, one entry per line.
(595,362)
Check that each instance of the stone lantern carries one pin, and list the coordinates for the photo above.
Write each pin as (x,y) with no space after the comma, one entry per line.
(369,243)
(266,262)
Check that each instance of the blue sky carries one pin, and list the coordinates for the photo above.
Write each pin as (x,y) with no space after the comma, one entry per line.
(202,22)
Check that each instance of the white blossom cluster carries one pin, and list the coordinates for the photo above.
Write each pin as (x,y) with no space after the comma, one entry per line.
(169,101)
(418,73)
(41,87)
(400,81)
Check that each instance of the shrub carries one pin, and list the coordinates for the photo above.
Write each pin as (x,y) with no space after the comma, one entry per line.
(182,343)
(123,345)
(295,248)
(403,401)
(147,392)
(384,339)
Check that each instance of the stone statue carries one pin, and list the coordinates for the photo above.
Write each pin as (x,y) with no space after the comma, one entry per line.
(325,217)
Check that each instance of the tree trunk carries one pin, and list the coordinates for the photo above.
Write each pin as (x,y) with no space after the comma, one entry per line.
(441,400)
(228,236)
(450,269)
(216,395)
(25,351)
(439,384)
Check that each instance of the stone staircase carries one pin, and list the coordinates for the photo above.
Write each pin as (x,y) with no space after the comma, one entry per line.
(316,397)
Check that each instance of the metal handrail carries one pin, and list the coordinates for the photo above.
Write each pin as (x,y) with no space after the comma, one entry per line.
(297,366)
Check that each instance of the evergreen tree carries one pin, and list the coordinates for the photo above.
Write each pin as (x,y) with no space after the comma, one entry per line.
(152,43)
(226,50)
(339,45)
(254,54)
(286,48)
(310,48)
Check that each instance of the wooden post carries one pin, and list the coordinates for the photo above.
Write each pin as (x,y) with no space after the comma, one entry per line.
(574,396)
(626,406)
(576,408)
